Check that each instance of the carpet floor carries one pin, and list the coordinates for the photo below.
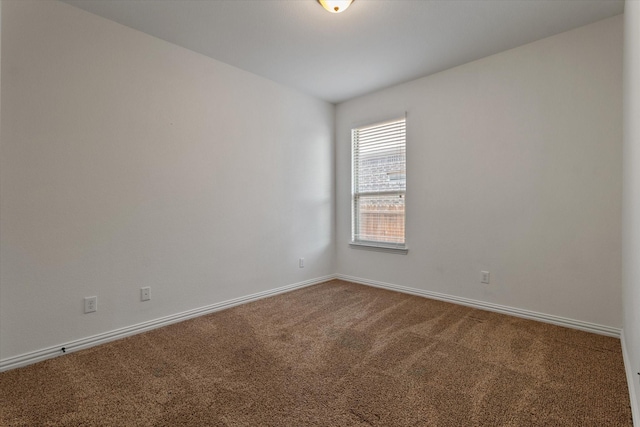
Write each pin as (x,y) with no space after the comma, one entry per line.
(333,354)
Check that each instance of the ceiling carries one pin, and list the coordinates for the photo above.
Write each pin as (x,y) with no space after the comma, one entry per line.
(372,45)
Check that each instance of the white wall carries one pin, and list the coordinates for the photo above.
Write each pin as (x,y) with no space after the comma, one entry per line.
(514,166)
(127,161)
(631,200)
(0,162)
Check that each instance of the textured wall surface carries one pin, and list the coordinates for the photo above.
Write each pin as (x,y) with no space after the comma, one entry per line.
(631,204)
(513,167)
(128,162)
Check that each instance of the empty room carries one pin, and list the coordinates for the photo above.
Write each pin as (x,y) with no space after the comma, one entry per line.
(319,213)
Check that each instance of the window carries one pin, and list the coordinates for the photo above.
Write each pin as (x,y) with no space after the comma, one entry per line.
(379,185)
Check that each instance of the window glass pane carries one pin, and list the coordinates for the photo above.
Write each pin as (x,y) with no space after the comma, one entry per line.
(379,183)
(381,172)
(381,218)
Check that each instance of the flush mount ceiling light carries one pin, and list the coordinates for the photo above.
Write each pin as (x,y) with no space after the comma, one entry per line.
(335,6)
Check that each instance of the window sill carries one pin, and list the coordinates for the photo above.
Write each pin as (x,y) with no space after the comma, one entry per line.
(379,248)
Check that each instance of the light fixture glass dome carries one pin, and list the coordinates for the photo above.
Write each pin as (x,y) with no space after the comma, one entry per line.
(335,6)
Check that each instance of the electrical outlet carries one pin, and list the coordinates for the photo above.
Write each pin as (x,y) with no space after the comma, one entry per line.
(485,276)
(145,294)
(301,263)
(90,304)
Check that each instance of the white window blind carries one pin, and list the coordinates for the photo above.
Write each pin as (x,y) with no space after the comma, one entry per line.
(379,184)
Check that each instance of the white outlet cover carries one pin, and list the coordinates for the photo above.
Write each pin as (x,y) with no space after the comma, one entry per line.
(90,304)
(485,277)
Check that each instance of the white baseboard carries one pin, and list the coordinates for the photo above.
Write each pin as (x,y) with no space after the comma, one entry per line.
(48,353)
(632,378)
(517,312)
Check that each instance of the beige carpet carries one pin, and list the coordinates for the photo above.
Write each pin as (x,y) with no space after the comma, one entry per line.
(334,354)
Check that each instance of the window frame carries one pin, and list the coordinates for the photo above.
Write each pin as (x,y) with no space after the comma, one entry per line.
(376,245)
